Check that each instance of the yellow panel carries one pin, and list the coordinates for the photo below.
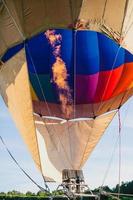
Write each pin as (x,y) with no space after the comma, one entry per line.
(15,90)
(33,94)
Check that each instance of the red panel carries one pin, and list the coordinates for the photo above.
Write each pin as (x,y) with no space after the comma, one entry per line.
(113,79)
(126,79)
(112,83)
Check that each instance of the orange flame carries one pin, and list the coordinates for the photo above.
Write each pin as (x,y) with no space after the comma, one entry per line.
(60,73)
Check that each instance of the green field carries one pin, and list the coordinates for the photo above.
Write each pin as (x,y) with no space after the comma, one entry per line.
(9,197)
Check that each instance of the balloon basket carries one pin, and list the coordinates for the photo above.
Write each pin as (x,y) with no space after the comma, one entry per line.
(74,186)
(73,180)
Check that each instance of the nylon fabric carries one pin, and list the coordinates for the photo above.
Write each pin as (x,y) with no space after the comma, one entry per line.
(84,135)
(18,100)
(32,17)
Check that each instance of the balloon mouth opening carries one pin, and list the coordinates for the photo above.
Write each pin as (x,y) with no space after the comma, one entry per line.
(49,120)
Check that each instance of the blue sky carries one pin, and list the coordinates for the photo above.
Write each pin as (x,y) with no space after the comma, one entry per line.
(12,178)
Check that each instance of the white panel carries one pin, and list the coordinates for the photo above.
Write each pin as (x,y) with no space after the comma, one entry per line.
(68,145)
(47,167)
(127,31)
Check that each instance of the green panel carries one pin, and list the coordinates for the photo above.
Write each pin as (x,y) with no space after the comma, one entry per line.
(43,87)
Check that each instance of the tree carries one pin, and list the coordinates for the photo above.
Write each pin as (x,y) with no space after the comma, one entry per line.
(42,194)
(2,193)
(29,194)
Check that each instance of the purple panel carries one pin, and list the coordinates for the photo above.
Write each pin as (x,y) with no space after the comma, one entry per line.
(85,88)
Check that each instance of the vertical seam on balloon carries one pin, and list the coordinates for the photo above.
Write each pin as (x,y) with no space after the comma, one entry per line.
(81,7)
(69,136)
(74,65)
(23,22)
(104,9)
(32,111)
(125,12)
(82,159)
(98,73)
(71,12)
(33,119)
(15,23)
(126,27)
(105,89)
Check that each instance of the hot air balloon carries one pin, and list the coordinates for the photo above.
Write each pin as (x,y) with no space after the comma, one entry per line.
(66,68)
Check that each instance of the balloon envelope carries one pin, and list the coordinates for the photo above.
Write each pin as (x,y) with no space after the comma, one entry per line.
(63,95)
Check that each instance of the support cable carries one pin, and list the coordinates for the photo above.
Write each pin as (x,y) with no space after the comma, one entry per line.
(109,164)
(119,176)
(23,38)
(28,176)
(121,124)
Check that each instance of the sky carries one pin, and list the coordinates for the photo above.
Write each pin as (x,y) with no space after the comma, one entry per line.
(12,178)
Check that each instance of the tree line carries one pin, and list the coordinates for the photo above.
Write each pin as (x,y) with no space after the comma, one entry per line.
(125,188)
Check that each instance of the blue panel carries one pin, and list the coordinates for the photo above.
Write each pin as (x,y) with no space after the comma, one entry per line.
(12,51)
(90,51)
(111,55)
(128,57)
(87,52)
(39,52)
